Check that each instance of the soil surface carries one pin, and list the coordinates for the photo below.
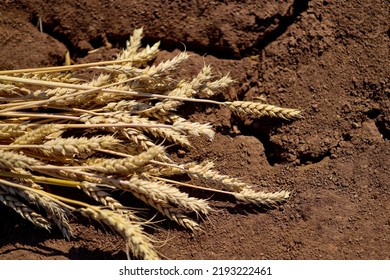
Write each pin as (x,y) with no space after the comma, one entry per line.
(328,58)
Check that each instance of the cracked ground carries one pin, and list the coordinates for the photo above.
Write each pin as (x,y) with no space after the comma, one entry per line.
(328,58)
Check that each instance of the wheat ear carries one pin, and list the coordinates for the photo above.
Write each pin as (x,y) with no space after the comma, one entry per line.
(147,54)
(99,195)
(185,90)
(269,199)
(12,160)
(23,210)
(130,106)
(164,68)
(257,109)
(173,213)
(10,131)
(194,128)
(53,77)
(37,135)
(12,90)
(124,165)
(77,146)
(161,205)
(158,191)
(206,173)
(214,86)
(54,211)
(168,134)
(132,45)
(133,234)
(163,169)
(168,171)
(144,124)
(169,211)
(138,143)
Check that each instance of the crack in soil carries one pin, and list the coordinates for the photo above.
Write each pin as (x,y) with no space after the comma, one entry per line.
(294,11)
(58,32)
(284,21)
(52,30)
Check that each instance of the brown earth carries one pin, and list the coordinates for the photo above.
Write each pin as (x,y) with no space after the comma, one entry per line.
(329,58)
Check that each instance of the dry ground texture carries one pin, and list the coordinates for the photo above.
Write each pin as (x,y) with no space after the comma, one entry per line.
(328,58)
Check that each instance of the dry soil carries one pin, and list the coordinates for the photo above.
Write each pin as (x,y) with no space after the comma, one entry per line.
(328,58)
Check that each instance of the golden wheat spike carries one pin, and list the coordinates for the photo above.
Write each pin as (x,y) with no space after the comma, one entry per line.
(37,135)
(100,195)
(261,198)
(257,109)
(11,160)
(124,165)
(23,210)
(133,234)
(10,131)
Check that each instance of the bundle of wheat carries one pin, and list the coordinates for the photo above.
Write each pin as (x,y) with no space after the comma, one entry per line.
(108,134)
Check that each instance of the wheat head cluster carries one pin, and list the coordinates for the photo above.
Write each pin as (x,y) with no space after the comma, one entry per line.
(110,135)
